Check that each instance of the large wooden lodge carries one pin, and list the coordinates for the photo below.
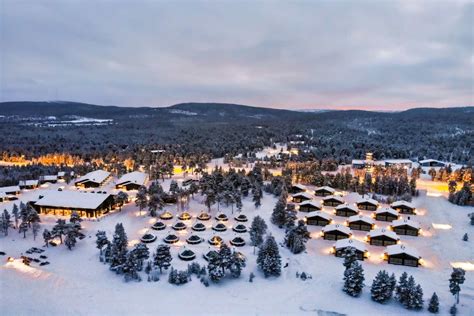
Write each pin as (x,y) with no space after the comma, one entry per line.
(86,204)
(93,179)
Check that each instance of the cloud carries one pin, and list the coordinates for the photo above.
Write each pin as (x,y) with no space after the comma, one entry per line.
(291,54)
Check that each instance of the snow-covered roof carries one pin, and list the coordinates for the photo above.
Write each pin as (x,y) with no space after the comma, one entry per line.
(319,214)
(408,222)
(325,188)
(431,160)
(398,161)
(312,203)
(402,203)
(299,186)
(303,194)
(362,218)
(61,173)
(2,195)
(349,206)
(401,249)
(358,161)
(350,242)
(383,232)
(97,176)
(367,200)
(28,182)
(49,178)
(72,199)
(386,210)
(133,177)
(333,197)
(13,188)
(338,227)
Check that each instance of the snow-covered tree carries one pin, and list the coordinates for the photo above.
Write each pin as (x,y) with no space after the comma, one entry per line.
(16,214)
(130,268)
(258,228)
(279,213)
(140,253)
(59,229)
(70,240)
(5,222)
(120,199)
(118,250)
(433,306)
(23,228)
(354,279)
(381,290)
(408,293)
(35,228)
(457,278)
(214,268)
(297,237)
(47,237)
(162,258)
(257,195)
(350,256)
(141,199)
(101,241)
(269,260)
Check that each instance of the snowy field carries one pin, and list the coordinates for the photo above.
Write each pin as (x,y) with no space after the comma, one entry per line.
(76,283)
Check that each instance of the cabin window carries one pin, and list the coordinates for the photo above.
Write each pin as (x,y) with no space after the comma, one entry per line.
(411,262)
(376,242)
(393,260)
(329,237)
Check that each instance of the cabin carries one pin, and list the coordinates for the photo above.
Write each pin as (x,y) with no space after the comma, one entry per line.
(367,204)
(309,206)
(301,197)
(361,222)
(332,200)
(382,237)
(132,181)
(28,184)
(189,181)
(335,232)
(402,255)
(324,191)
(404,207)
(48,179)
(406,227)
(297,188)
(93,179)
(431,163)
(317,218)
(358,164)
(340,247)
(386,214)
(11,190)
(86,204)
(346,210)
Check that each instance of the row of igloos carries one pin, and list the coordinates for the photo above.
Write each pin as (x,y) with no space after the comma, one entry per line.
(203,216)
(199,227)
(194,240)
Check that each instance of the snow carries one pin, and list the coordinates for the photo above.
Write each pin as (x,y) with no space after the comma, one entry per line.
(9,189)
(304,194)
(383,232)
(347,206)
(367,200)
(336,227)
(77,283)
(96,176)
(28,183)
(133,177)
(402,203)
(362,218)
(333,197)
(319,214)
(310,202)
(325,188)
(401,222)
(349,242)
(72,199)
(386,210)
(49,178)
(401,249)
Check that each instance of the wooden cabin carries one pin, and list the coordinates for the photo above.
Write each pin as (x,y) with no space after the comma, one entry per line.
(361,250)
(309,206)
(432,163)
(48,179)
(324,191)
(402,255)
(386,214)
(404,207)
(332,200)
(11,190)
(367,204)
(361,222)
(335,232)
(28,184)
(93,179)
(382,237)
(301,197)
(406,227)
(346,210)
(297,188)
(132,181)
(86,204)
(317,218)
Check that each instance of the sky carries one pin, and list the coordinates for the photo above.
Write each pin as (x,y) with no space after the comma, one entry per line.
(374,55)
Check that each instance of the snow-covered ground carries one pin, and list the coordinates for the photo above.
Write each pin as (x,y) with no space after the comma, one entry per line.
(77,283)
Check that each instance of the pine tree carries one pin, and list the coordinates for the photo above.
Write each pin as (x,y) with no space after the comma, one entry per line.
(214,268)
(23,228)
(381,290)
(130,268)
(5,222)
(354,279)
(257,195)
(16,214)
(101,241)
(401,288)
(46,237)
(118,250)
(269,260)
(236,264)
(162,258)
(141,199)
(433,306)
(297,237)
(70,240)
(59,229)
(350,256)
(140,253)
(257,231)
(457,278)
(35,229)
(279,213)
